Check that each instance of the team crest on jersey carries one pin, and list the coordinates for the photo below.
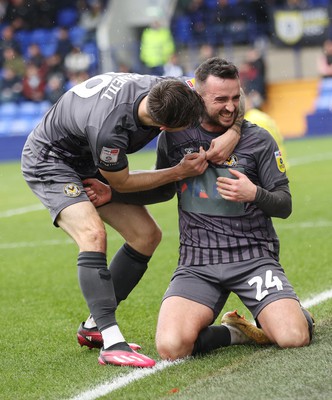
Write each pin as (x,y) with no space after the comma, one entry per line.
(189,150)
(231,161)
(280,162)
(71,190)
(109,156)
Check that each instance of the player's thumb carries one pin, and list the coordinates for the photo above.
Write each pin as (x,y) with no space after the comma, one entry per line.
(235,173)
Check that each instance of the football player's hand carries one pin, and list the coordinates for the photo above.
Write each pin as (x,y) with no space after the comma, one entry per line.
(98,193)
(222,147)
(240,189)
(193,164)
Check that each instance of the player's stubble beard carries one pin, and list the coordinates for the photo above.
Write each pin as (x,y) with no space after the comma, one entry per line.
(216,123)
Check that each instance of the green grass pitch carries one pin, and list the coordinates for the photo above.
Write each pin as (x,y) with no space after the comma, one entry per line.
(41,304)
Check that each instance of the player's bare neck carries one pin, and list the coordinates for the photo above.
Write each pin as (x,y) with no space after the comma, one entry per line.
(143,115)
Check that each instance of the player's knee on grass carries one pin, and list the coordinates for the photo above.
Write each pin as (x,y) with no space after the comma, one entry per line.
(173,347)
(297,335)
(97,288)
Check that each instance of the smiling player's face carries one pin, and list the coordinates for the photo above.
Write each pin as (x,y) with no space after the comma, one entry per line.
(222,100)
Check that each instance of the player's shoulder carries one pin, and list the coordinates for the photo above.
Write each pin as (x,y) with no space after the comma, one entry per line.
(255,134)
(253,129)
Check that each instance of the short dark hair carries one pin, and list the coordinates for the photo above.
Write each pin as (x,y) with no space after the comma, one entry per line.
(217,67)
(174,104)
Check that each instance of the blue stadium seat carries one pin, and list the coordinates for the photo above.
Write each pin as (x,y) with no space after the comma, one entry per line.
(182,29)
(5,126)
(325,85)
(39,36)
(48,49)
(67,17)
(77,35)
(44,106)
(212,4)
(22,126)
(34,110)
(29,108)
(8,110)
(24,39)
(46,39)
(319,123)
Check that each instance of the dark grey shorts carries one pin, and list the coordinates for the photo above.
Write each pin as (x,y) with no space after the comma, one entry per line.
(256,282)
(56,184)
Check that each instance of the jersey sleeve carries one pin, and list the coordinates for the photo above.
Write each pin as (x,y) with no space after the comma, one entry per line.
(111,146)
(270,165)
(162,157)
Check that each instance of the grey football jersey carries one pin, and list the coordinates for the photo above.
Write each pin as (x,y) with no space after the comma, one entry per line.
(95,124)
(213,230)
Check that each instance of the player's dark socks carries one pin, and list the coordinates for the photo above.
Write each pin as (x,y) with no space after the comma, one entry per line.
(120,346)
(127,268)
(97,287)
(310,320)
(211,338)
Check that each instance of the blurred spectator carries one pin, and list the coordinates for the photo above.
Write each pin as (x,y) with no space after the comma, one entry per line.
(35,56)
(198,14)
(3,10)
(76,78)
(205,52)
(46,11)
(254,114)
(33,83)
(54,65)
(157,45)
(172,67)
(10,86)
(91,17)
(64,45)
(22,14)
(324,61)
(77,61)
(233,22)
(253,72)
(14,60)
(182,7)
(8,40)
(55,88)
(124,67)
(297,4)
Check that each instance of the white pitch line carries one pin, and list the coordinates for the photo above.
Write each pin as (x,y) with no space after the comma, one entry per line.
(124,380)
(293,163)
(22,210)
(59,242)
(305,224)
(55,242)
(319,298)
(310,159)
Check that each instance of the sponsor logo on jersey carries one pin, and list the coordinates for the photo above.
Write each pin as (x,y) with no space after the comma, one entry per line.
(231,161)
(190,83)
(71,190)
(280,162)
(109,156)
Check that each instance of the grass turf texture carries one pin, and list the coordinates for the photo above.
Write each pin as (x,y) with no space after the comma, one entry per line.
(41,304)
